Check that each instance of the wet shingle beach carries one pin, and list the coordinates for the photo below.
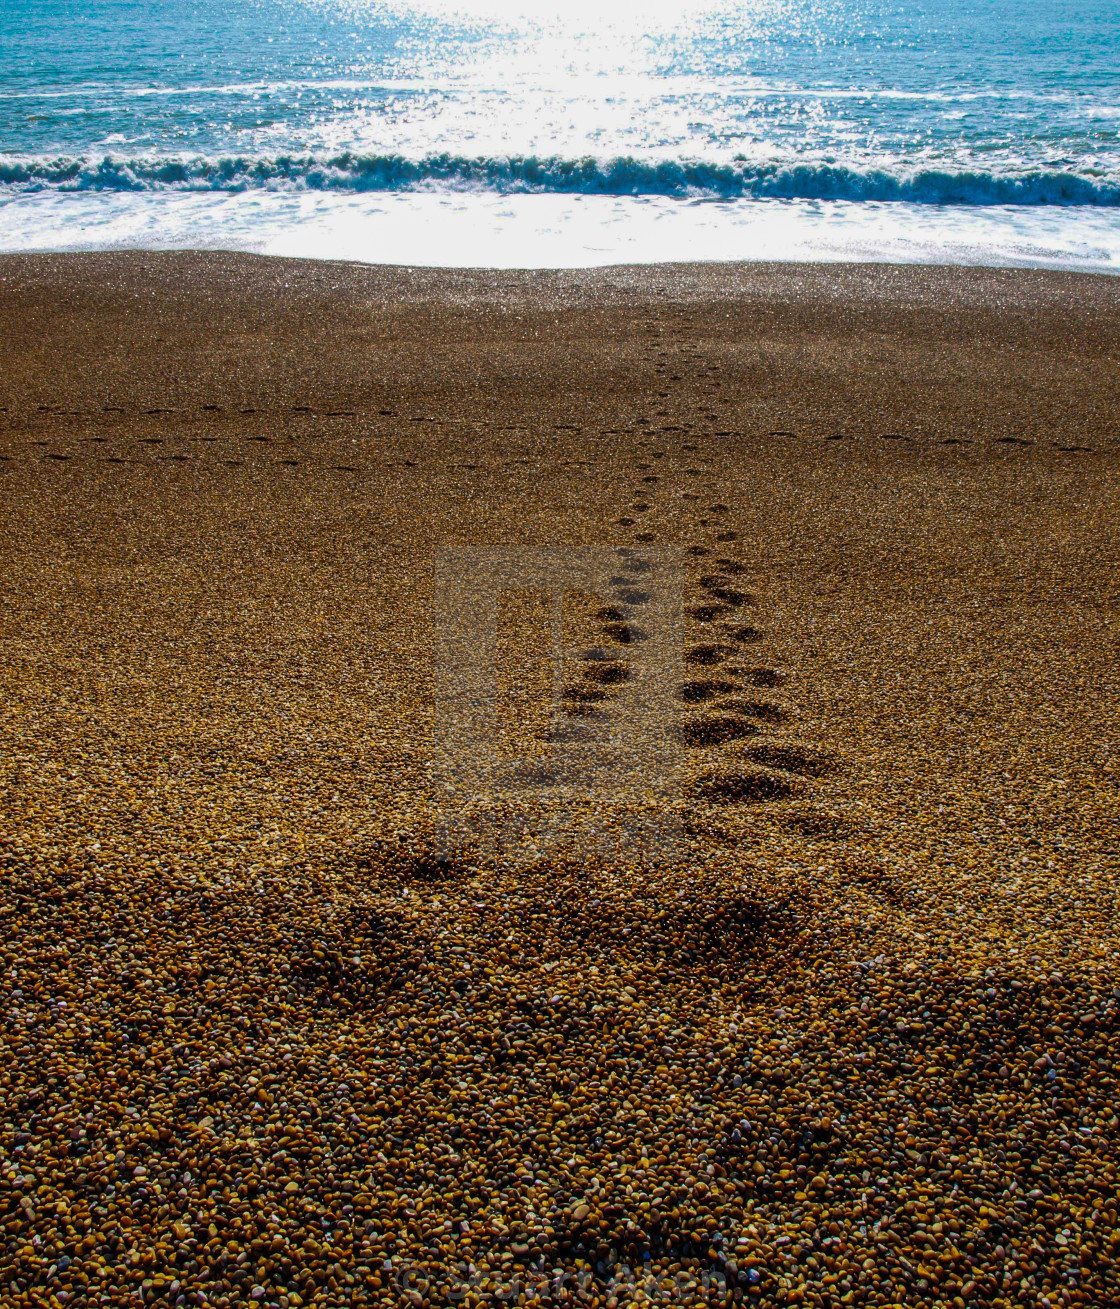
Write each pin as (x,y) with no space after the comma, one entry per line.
(776,963)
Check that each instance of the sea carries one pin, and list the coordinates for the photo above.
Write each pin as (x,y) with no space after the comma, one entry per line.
(540,134)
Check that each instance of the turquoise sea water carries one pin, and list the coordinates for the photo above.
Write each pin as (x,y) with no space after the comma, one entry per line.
(527,133)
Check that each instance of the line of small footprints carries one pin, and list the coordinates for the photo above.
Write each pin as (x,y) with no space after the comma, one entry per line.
(294,412)
(305,412)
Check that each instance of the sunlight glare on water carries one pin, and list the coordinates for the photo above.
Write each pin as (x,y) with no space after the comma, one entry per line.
(949,109)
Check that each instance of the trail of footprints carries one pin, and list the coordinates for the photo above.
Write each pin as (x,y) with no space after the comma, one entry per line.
(728,700)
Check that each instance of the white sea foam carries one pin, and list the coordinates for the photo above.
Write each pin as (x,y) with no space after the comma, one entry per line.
(562,231)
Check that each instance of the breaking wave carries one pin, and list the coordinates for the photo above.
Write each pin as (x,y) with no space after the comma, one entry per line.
(738,179)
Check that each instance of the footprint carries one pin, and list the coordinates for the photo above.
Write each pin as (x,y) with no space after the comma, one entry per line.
(767,713)
(607,674)
(764,677)
(707,655)
(716,731)
(1072,449)
(62,457)
(806,763)
(625,522)
(714,586)
(820,824)
(289,463)
(698,692)
(744,788)
(645,536)
(632,596)
(343,468)
(625,633)
(726,565)
(708,613)
(744,635)
(727,536)
(698,550)
(1012,440)
(576,709)
(611,615)
(587,694)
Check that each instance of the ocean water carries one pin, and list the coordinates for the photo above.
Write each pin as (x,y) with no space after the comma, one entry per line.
(537,134)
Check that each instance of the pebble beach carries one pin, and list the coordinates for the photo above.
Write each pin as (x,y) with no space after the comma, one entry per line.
(846,1036)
